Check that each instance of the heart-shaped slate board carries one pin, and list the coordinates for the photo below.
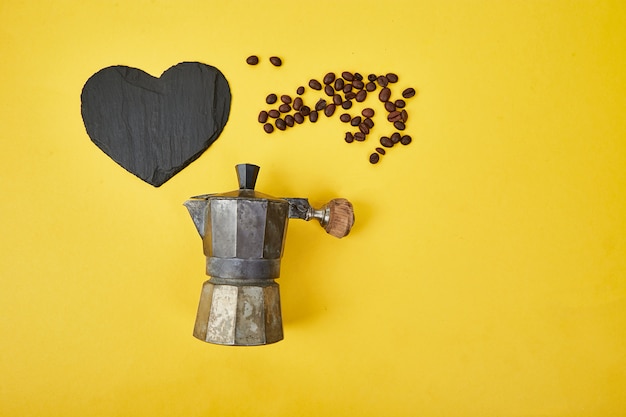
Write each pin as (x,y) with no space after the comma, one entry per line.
(155,127)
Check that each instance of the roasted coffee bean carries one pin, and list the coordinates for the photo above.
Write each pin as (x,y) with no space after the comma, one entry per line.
(274,113)
(408,93)
(252,60)
(315,85)
(361,96)
(406,139)
(392,78)
(380,151)
(384,94)
(298,117)
(386,142)
(368,112)
(329,78)
(399,125)
(289,120)
(321,104)
(339,84)
(313,116)
(263,116)
(400,104)
(297,103)
(372,77)
(394,116)
(363,128)
(276,61)
(349,137)
(300,90)
(405,116)
(350,95)
(395,137)
(337,99)
(356,120)
(268,128)
(374,158)
(285,99)
(368,122)
(348,76)
(305,110)
(346,104)
(370,87)
(358,76)
(389,106)
(347,88)
(280,124)
(382,81)
(358,84)
(329,110)
(359,136)
(329,90)
(345,117)
(284,108)
(271,99)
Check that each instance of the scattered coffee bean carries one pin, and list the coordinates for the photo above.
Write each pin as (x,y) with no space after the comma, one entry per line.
(339,84)
(300,90)
(268,128)
(358,76)
(408,93)
(252,60)
(280,124)
(359,136)
(368,112)
(358,84)
(349,137)
(284,108)
(384,94)
(372,77)
(329,110)
(263,116)
(289,120)
(329,90)
(345,117)
(363,128)
(361,96)
(321,104)
(405,116)
(399,125)
(350,95)
(285,99)
(389,106)
(271,99)
(298,117)
(329,78)
(380,151)
(305,110)
(374,158)
(392,78)
(406,139)
(297,103)
(395,137)
(394,116)
(368,122)
(346,104)
(370,87)
(347,88)
(386,142)
(315,85)
(313,116)
(348,76)
(276,61)
(400,104)
(274,113)
(356,120)
(337,99)
(382,81)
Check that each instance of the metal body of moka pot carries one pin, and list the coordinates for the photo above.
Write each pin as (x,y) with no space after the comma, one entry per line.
(243,234)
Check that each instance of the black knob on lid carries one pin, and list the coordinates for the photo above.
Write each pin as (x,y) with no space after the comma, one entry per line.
(246,174)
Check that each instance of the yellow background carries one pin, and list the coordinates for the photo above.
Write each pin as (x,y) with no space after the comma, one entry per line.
(485,275)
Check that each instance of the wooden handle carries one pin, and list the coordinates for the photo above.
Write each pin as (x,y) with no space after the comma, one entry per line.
(341,217)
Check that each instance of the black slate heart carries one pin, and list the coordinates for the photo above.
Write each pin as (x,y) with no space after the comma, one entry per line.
(155,127)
